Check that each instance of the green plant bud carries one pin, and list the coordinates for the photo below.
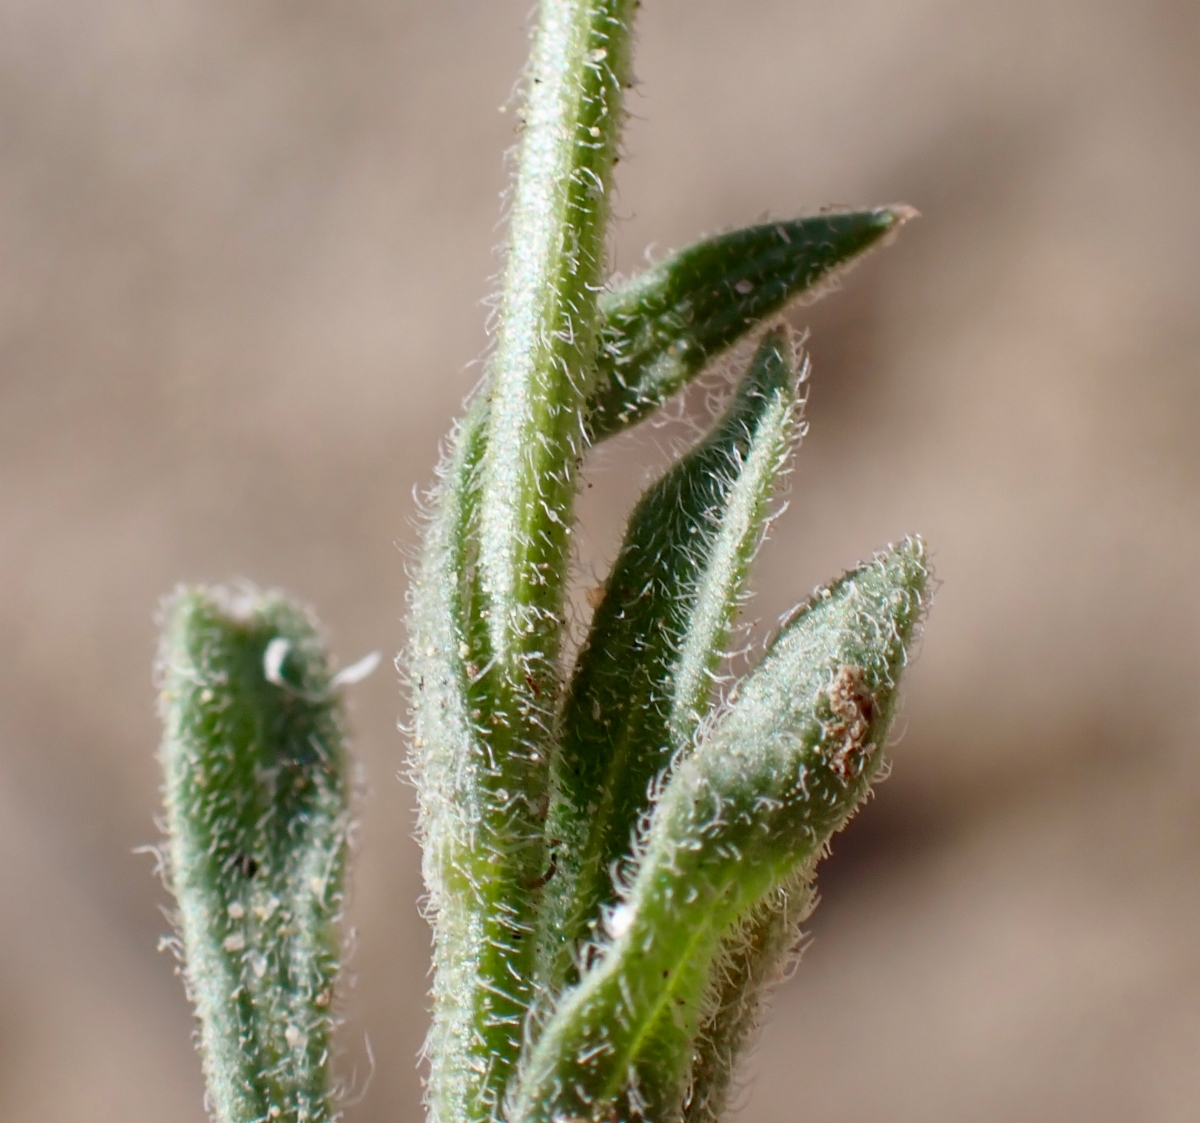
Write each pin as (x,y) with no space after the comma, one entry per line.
(753,957)
(644,678)
(256,797)
(662,327)
(784,766)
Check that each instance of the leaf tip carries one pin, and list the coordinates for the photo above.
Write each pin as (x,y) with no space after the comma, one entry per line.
(899,213)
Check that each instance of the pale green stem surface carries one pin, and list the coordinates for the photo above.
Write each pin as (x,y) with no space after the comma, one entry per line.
(541,370)
(256,798)
(509,537)
(451,766)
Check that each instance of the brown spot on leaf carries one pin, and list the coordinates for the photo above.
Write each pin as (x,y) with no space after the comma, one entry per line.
(844,734)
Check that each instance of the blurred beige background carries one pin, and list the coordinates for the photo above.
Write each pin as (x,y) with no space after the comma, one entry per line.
(243,245)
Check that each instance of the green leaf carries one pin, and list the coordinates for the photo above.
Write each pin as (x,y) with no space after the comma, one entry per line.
(662,327)
(461,821)
(785,766)
(753,957)
(644,679)
(257,816)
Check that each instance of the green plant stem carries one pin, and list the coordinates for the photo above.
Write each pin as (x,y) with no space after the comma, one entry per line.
(449,762)
(503,659)
(542,368)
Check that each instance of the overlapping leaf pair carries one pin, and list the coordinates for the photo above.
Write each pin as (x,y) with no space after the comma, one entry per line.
(616,872)
(617,861)
(636,933)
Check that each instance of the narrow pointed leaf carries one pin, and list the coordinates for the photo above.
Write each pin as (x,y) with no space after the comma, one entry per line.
(752,807)
(461,822)
(643,680)
(662,327)
(257,816)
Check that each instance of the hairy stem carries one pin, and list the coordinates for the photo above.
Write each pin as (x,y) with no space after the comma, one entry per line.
(643,680)
(541,370)
(512,516)
(450,764)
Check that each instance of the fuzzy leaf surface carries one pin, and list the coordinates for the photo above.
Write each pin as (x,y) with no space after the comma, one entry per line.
(663,326)
(460,817)
(643,680)
(256,796)
(753,956)
(785,766)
